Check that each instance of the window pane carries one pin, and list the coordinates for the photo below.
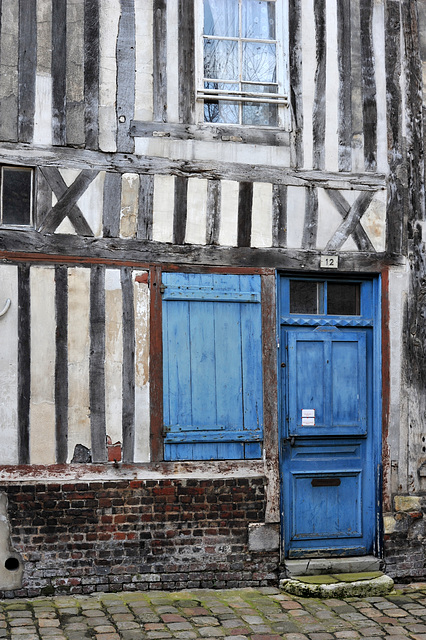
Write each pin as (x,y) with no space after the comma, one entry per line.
(258,19)
(221,111)
(260,114)
(306,296)
(343,299)
(16,187)
(221,18)
(221,59)
(259,62)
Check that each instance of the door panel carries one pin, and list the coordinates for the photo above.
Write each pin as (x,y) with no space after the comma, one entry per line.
(322,505)
(328,376)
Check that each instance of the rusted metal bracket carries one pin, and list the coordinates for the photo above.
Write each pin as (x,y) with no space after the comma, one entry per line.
(5,308)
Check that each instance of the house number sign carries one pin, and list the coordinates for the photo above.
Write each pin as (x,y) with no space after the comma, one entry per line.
(329,262)
(308,417)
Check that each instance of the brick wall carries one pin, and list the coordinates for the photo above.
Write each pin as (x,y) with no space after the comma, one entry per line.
(124,535)
(405,539)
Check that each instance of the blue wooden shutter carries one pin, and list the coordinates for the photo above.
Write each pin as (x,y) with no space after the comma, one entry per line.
(212,366)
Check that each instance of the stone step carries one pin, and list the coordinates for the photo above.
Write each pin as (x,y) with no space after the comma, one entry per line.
(316,566)
(339,585)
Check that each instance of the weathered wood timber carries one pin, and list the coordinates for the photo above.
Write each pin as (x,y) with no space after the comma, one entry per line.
(52,248)
(112,203)
(156,365)
(97,363)
(123,163)
(356,91)
(91,72)
(270,401)
(160,64)
(145,211)
(213,211)
(180,210)
(224,133)
(350,222)
(67,197)
(296,95)
(27,63)
(368,86)
(415,331)
(59,56)
(279,213)
(66,207)
(311,219)
(126,43)
(395,208)
(61,363)
(320,79)
(186,48)
(362,241)
(128,415)
(345,85)
(24,363)
(245,200)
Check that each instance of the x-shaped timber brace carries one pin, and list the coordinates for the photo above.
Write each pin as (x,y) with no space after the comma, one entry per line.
(67,197)
(350,226)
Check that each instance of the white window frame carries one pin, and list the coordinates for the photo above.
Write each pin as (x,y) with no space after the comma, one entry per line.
(282,98)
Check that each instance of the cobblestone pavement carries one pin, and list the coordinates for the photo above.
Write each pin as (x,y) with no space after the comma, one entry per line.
(240,614)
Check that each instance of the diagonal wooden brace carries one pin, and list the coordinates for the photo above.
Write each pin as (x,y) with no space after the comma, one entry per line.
(350,225)
(67,198)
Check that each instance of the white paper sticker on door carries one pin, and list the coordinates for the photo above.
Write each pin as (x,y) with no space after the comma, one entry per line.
(308,417)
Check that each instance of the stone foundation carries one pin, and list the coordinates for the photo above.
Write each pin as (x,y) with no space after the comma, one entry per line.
(405,539)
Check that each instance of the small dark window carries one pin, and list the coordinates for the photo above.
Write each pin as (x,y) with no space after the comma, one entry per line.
(306,296)
(343,299)
(16,196)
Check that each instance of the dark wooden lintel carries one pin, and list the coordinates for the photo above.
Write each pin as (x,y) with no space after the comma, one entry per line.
(16,246)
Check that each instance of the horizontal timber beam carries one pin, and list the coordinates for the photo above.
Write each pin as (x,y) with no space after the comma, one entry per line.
(129,163)
(57,248)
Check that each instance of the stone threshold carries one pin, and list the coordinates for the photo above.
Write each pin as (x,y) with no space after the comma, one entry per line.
(339,585)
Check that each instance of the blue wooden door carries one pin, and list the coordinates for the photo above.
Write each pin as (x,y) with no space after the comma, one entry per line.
(328,423)
(212,367)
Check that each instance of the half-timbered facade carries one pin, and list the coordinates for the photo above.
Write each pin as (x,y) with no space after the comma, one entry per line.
(212,285)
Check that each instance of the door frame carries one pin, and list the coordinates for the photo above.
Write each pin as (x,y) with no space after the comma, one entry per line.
(380,382)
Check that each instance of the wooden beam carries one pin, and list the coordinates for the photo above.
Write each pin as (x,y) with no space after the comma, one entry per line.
(126,65)
(270,397)
(32,246)
(97,364)
(122,163)
(156,364)
(24,363)
(61,363)
(128,370)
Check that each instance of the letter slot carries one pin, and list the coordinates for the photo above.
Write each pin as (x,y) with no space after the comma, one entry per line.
(325,482)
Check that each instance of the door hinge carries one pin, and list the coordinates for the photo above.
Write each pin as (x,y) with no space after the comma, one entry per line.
(165,430)
(162,288)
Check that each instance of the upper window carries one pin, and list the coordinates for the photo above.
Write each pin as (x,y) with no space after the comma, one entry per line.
(242,80)
(16,202)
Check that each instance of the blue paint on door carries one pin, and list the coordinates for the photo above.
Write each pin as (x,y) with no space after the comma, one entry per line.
(330,399)
(212,367)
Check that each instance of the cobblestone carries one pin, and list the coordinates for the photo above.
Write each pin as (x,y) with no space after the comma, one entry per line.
(239,614)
